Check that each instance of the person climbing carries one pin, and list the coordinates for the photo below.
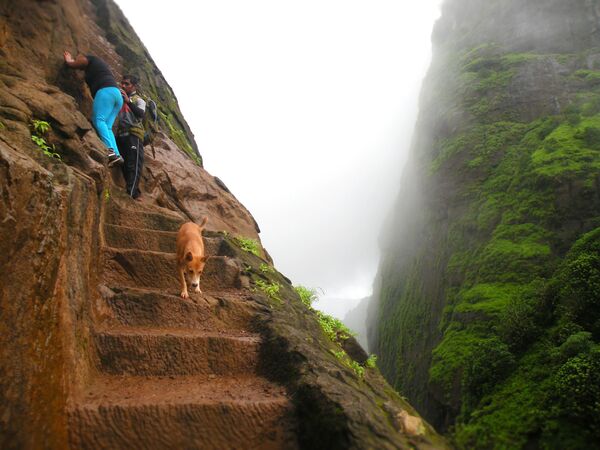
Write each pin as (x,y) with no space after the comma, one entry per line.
(107,99)
(130,134)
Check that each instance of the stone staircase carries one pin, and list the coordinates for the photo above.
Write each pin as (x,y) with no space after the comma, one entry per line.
(174,373)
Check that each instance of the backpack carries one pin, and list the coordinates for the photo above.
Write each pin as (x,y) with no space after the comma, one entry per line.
(150,121)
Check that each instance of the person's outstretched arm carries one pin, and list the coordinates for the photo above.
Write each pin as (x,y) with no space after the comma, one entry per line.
(80,62)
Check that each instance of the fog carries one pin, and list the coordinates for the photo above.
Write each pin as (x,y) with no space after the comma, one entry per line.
(305,110)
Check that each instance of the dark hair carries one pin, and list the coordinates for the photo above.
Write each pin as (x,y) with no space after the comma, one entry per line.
(132,79)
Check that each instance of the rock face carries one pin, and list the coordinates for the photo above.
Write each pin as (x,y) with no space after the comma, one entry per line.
(486,313)
(97,350)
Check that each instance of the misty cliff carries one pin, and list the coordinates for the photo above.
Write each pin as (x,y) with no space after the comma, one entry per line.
(487,302)
(97,348)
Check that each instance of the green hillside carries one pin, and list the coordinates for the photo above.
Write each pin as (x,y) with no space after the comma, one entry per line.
(488,315)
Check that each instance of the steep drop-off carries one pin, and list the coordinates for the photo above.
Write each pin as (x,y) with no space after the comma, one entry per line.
(487,311)
(97,350)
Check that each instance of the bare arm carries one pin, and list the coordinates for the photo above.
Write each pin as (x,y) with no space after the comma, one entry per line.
(80,62)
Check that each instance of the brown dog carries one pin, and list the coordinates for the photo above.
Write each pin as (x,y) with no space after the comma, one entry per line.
(190,255)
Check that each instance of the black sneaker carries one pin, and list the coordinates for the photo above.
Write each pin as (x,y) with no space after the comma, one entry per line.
(113,159)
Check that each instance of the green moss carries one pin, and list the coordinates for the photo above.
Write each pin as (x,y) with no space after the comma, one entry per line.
(507,295)
(578,282)
(481,142)
(513,260)
(179,137)
(591,76)
(501,424)
(489,298)
(569,151)
(488,365)
(451,355)
(512,59)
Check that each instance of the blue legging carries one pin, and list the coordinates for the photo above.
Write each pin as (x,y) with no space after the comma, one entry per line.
(107,104)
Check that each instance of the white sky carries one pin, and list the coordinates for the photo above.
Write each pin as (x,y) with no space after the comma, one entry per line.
(305,110)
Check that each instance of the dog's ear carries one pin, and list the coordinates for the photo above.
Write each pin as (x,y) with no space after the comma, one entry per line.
(204,259)
(204,220)
(189,256)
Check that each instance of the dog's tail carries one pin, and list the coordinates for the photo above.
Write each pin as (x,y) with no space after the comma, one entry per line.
(204,220)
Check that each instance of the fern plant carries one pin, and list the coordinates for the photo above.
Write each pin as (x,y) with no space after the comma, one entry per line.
(248,245)
(41,127)
(307,295)
(271,289)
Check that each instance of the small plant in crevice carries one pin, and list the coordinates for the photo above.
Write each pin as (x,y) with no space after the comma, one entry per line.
(336,331)
(248,245)
(371,362)
(346,360)
(333,328)
(2,126)
(267,269)
(270,289)
(307,295)
(106,194)
(40,128)
(358,369)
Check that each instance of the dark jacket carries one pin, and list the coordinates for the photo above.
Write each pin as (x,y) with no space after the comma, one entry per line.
(131,117)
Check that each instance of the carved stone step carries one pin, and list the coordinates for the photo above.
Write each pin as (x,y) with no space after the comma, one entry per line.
(145,308)
(137,351)
(183,412)
(125,237)
(132,215)
(147,269)
(119,236)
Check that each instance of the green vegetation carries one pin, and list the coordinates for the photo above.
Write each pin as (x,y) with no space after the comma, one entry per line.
(267,269)
(356,367)
(106,194)
(307,295)
(592,76)
(40,128)
(512,254)
(371,362)
(332,327)
(179,136)
(248,245)
(271,289)
(335,330)
(536,368)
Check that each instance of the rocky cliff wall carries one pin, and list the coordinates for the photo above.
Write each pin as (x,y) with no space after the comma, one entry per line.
(489,262)
(51,208)
(88,285)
